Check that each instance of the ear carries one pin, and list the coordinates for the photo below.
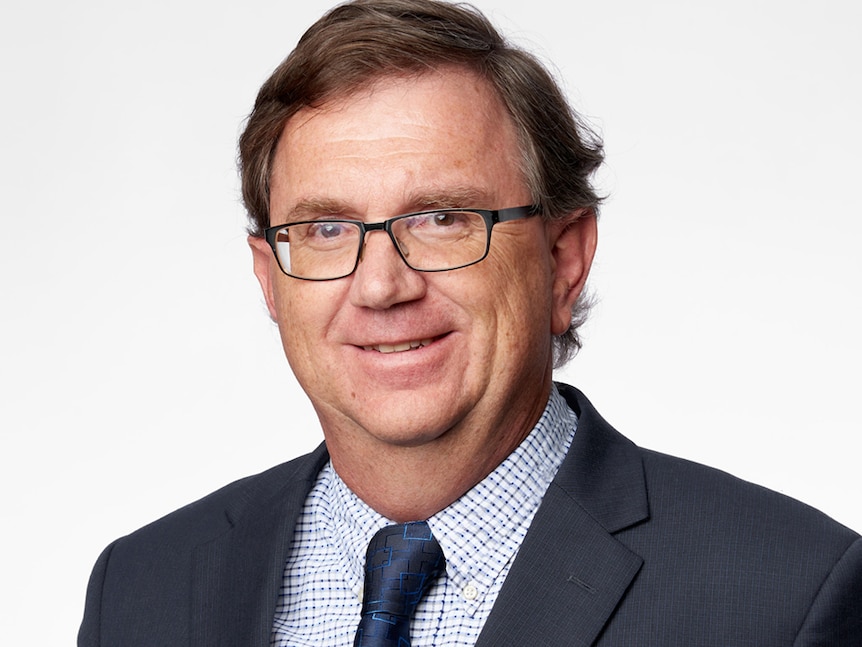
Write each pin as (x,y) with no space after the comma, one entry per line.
(573,245)
(263,268)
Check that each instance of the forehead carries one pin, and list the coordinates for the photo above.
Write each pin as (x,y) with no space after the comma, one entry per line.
(442,131)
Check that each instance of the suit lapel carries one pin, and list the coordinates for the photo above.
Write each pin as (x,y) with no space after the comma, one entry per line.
(568,577)
(571,573)
(237,576)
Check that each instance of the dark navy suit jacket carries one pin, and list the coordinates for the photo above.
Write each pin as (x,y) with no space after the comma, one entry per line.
(630,548)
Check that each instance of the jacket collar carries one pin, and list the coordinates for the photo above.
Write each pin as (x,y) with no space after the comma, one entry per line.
(571,573)
(236,577)
(603,471)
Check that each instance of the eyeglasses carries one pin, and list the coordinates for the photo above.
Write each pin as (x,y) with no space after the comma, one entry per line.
(427,241)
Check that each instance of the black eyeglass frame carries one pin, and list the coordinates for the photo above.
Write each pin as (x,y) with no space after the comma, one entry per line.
(490,216)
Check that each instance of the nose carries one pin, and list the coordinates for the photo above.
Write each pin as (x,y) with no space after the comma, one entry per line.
(382,278)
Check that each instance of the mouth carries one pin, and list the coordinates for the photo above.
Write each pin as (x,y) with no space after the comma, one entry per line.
(399,348)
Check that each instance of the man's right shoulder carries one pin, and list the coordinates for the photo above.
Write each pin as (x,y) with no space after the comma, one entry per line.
(241,523)
(220,510)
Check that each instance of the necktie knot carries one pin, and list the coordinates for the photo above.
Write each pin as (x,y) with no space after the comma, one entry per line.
(401,563)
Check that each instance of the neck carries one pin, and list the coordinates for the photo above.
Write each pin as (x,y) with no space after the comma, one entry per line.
(412,483)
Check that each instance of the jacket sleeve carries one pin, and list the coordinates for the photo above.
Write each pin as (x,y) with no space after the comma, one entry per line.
(835,616)
(89,635)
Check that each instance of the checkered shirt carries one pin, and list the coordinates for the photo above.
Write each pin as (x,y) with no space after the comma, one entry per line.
(480,533)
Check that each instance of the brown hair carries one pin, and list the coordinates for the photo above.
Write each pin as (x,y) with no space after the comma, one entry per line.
(361,41)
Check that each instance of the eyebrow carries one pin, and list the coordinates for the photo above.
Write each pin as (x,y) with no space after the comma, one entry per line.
(315,208)
(450,199)
(453,198)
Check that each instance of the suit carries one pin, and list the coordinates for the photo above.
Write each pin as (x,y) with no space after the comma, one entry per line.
(629,548)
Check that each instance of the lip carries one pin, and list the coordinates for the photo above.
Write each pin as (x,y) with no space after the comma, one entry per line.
(403,348)
(400,347)
(399,371)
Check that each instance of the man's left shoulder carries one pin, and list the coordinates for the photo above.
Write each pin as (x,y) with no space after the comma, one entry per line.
(730,557)
(681,489)
(685,503)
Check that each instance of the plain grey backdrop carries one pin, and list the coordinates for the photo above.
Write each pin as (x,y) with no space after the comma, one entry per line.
(139,370)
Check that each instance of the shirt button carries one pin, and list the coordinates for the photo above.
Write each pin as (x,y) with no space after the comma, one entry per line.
(470,591)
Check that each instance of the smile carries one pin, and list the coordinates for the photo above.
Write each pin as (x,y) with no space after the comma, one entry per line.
(399,348)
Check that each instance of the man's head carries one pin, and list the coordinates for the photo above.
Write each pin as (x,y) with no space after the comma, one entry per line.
(358,43)
(406,366)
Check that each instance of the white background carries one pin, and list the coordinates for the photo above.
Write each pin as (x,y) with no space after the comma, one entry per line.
(137,365)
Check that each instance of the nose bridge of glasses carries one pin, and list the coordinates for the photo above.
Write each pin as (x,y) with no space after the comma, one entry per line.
(385,226)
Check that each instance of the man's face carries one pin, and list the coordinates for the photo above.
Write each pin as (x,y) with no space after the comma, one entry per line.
(478,366)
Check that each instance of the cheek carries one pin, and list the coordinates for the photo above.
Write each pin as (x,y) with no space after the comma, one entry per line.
(304,312)
(524,275)
(517,294)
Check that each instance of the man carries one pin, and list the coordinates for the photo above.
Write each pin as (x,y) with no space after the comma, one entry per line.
(422,228)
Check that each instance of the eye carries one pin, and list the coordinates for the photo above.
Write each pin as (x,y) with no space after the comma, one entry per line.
(327,230)
(444,219)
(442,226)
(441,220)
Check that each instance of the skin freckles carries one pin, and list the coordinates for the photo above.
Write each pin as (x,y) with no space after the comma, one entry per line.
(458,405)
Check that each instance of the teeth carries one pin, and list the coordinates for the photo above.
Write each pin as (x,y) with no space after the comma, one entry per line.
(398,348)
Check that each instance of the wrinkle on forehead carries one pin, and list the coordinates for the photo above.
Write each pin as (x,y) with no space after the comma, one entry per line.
(419,200)
(487,100)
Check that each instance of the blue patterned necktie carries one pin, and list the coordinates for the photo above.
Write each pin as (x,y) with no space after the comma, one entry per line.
(401,563)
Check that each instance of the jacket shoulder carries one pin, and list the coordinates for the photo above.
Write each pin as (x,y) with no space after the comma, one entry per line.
(782,568)
(138,592)
(218,511)
(722,557)
(702,496)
